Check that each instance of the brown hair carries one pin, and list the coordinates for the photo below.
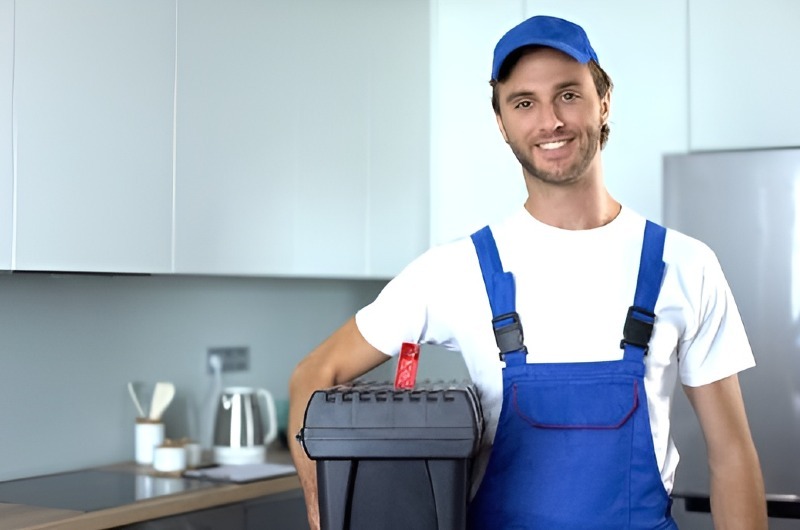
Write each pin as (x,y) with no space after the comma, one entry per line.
(602,83)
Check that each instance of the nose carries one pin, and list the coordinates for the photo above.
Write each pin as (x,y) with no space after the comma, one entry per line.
(549,117)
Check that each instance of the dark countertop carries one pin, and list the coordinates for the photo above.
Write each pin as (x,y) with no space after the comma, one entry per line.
(111,508)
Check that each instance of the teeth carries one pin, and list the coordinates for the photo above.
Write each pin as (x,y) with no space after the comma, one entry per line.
(553,145)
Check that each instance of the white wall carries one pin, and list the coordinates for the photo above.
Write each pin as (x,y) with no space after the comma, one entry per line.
(70,344)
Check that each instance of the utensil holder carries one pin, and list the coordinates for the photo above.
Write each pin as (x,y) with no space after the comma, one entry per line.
(148,435)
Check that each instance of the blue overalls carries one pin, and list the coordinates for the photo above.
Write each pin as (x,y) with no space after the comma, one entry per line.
(573,448)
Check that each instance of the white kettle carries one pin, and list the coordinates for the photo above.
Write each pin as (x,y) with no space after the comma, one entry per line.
(242,430)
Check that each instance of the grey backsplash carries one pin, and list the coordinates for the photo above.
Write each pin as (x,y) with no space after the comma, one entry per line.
(70,343)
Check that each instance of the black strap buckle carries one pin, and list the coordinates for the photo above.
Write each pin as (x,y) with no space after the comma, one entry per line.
(508,335)
(638,327)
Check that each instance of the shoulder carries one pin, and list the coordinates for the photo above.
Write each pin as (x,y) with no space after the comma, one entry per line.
(693,272)
(440,258)
(461,251)
(694,268)
(440,265)
(686,251)
(681,251)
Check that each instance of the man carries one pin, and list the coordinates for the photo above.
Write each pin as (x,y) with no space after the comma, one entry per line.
(614,309)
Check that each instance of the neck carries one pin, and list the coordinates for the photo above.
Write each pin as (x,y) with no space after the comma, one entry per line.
(581,205)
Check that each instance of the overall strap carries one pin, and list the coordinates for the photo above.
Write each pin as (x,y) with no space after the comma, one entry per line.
(641,315)
(502,299)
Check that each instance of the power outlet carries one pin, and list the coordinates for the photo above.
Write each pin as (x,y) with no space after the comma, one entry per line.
(234,358)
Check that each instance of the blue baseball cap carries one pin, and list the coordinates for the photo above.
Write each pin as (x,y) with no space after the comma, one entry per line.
(544,31)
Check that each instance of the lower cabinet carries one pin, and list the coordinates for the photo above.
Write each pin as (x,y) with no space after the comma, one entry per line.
(228,517)
(281,511)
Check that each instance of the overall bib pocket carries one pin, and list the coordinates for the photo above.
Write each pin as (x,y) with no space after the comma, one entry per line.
(575,404)
(579,439)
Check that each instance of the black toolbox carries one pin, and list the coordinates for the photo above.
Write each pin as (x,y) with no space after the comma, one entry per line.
(393,459)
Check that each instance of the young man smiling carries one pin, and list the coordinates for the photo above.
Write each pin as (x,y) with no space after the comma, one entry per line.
(550,114)
(615,310)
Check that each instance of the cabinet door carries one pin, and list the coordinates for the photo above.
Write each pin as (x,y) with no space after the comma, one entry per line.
(6,142)
(744,81)
(398,209)
(93,110)
(284,146)
(281,511)
(271,140)
(228,517)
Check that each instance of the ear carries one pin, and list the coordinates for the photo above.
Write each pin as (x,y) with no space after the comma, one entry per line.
(500,126)
(605,108)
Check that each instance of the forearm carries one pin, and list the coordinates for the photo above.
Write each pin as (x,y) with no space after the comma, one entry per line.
(737,491)
(302,386)
(737,487)
(307,472)
(344,356)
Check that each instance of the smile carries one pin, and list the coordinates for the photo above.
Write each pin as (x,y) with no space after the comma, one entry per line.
(553,145)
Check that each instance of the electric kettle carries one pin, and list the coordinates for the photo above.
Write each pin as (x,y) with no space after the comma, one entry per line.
(242,429)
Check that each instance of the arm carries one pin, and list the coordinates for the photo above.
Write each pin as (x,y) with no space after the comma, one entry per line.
(737,487)
(344,356)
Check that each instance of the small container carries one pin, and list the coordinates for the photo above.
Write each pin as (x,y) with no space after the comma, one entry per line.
(194,454)
(407,362)
(169,458)
(149,434)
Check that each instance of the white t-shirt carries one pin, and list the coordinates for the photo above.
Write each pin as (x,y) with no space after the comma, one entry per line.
(573,290)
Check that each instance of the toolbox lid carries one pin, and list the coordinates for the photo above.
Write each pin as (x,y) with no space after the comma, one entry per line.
(374,420)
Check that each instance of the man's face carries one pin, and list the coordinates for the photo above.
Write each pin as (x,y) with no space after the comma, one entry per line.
(551,115)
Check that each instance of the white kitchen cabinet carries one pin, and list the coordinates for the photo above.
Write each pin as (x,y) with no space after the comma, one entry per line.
(744,83)
(93,126)
(397,50)
(475,179)
(302,137)
(6,142)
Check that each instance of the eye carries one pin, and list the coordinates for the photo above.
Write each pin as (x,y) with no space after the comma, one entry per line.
(569,96)
(523,105)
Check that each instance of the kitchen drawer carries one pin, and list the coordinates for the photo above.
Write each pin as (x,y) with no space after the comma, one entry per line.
(281,511)
(229,517)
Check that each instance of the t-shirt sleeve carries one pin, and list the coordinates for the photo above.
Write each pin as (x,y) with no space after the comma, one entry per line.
(716,344)
(400,312)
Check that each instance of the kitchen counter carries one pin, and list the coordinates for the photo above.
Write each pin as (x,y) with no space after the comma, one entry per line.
(211,494)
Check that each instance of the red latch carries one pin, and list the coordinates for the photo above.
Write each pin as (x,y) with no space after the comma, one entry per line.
(407,363)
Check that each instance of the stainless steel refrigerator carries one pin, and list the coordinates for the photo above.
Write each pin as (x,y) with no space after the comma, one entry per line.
(746,206)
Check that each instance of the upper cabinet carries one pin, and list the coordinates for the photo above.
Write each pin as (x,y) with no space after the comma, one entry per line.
(6,142)
(744,80)
(398,49)
(93,134)
(302,137)
(214,136)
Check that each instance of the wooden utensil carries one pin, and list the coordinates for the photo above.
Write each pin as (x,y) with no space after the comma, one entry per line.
(162,397)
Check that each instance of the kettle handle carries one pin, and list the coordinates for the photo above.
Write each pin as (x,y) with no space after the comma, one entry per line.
(272,422)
